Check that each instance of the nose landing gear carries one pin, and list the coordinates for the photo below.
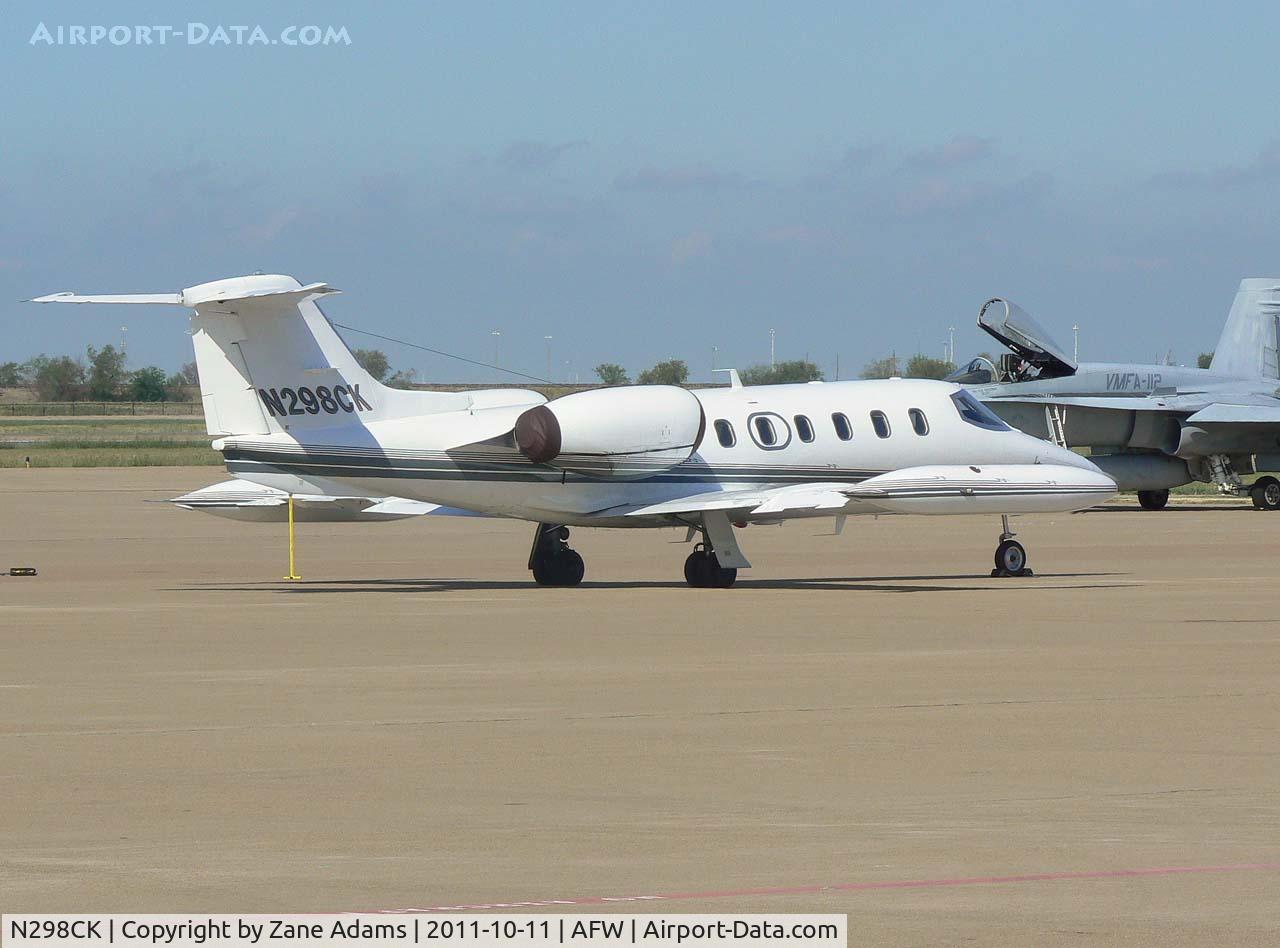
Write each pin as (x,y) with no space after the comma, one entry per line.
(552,560)
(1011,556)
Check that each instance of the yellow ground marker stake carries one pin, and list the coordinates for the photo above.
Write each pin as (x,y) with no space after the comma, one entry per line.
(293,573)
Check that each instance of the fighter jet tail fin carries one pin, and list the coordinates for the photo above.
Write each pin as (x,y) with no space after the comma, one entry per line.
(1250,342)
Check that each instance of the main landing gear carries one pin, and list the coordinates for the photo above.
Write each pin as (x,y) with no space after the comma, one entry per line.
(1265,493)
(1153,499)
(714,562)
(552,560)
(1011,556)
(703,571)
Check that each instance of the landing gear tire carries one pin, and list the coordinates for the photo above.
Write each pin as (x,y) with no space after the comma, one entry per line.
(1154,499)
(564,568)
(553,562)
(1011,559)
(1265,493)
(703,571)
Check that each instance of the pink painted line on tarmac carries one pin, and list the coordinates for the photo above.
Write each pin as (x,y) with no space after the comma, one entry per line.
(848,887)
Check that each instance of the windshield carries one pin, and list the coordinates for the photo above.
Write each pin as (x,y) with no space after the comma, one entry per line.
(976,413)
(979,371)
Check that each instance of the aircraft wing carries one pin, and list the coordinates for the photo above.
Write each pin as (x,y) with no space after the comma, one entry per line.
(764,500)
(238,499)
(1223,413)
(940,488)
(1202,407)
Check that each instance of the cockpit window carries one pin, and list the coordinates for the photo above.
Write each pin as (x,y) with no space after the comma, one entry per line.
(976,413)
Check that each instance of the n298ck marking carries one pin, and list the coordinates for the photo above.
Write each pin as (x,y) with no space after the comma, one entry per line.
(304,400)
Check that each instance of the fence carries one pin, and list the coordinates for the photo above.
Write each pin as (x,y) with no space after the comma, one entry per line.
(103,408)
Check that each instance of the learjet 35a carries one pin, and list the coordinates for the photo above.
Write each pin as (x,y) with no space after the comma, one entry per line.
(291,409)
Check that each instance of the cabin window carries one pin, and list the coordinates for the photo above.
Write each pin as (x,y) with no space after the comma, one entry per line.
(724,433)
(976,413)
(880,422)
(804,428)
(844,430)
(918,421)
(769,431)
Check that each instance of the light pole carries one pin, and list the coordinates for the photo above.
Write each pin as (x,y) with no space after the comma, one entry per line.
(548,339)
(123,332)
(773,363)
(1075,331)
(951,344)
(497,348)
(715,350)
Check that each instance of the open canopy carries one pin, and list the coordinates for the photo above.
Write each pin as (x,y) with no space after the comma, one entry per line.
(1013,327)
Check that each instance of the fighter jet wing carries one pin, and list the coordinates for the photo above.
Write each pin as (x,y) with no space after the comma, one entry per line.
(1223,413)
(1220,406)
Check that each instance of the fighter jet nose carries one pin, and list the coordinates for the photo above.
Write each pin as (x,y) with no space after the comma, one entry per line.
(1050,453)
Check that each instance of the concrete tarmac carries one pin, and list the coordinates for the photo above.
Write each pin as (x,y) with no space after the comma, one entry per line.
(866,724)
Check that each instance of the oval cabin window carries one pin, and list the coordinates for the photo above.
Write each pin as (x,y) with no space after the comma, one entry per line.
(724,433)
(764,430)
(804,428)
(844,430)
(918,421)
(880,422)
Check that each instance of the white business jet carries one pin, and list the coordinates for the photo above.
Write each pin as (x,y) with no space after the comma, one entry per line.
(292,410)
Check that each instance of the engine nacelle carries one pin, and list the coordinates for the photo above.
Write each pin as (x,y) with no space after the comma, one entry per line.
(630,431)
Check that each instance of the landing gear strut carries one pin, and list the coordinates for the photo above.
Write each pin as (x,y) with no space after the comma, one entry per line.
(1153,499)
(553,562)
(703,571)
(1011,556)
(1265,493)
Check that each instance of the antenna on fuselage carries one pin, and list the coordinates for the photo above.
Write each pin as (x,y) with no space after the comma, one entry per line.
(734,380)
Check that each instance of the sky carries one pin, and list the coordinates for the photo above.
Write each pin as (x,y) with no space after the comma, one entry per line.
(649,180)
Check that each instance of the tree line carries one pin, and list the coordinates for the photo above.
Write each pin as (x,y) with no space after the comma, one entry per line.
(100,376)
(676,372)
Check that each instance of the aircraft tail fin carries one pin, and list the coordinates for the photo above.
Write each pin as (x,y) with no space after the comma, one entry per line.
(1250,342)
(270,361)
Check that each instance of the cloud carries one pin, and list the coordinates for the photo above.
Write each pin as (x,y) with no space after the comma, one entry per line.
(690,247)
(961,150)
(535,156)
(686,178)
(1123,263)
(936,194)
(266,229)
(1263,168)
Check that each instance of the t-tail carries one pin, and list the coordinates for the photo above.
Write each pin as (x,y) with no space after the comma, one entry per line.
(270,361)
(1250,341)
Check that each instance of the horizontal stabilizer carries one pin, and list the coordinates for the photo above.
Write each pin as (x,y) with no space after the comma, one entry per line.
(223,291)
(133,299)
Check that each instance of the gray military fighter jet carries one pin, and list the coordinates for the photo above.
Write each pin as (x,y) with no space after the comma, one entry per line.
(1151,427)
